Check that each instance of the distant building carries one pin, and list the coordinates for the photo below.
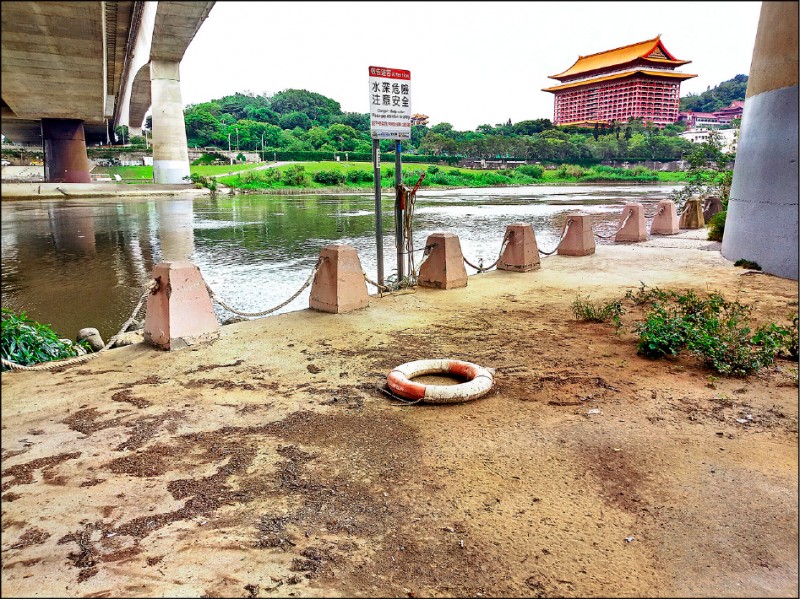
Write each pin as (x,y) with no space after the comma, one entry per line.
(727,114)
(728,138)
(419,119)
(634,81)
(719,118)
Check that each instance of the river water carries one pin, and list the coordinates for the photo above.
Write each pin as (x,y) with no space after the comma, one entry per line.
(82,263)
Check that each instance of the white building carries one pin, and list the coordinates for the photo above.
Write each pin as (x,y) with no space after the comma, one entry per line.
(727,137)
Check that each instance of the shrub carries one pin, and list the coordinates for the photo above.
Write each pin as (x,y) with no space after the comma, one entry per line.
(210,157)
(488,178)
(570,171)
(747,264)
(715,331)
(594,312)
(533,171)
(716,226)
(360,176)
(780,340)
(25,341)
(329,177)
(661,334)
(411,177)
(648,296)
(433,169)
(294,175)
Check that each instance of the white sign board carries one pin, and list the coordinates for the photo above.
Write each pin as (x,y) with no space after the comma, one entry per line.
(389,103)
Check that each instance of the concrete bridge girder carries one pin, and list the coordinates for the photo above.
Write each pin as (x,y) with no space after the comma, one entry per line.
(89,63)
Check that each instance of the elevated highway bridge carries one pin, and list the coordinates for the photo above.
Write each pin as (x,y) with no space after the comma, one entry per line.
(73,71)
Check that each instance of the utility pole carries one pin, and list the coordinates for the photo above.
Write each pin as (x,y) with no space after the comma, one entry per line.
(229,148)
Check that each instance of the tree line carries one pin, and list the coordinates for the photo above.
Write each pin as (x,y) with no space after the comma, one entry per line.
(297,120)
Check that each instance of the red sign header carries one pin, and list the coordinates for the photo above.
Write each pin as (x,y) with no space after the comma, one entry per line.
(389,73)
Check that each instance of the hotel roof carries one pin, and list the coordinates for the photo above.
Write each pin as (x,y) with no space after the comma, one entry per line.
(666,74)
(651,50)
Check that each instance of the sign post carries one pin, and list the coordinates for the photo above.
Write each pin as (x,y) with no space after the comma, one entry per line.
(389,118)
(376,161)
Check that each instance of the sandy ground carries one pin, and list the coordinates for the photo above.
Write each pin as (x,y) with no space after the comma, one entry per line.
(270,464)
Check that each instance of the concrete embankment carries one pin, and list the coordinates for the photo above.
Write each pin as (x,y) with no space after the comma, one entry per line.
(48,191)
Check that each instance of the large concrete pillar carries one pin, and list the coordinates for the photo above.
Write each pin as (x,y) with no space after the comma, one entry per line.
(65,159)
(761,224)
(170,152)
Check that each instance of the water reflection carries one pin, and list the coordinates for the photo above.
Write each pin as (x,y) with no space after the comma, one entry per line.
(176,229)
(76,263)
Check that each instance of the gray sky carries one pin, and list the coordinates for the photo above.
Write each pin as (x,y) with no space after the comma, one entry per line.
(471,63)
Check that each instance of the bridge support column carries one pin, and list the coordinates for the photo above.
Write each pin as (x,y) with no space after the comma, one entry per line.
(170,152)
(761,223)
(65,159)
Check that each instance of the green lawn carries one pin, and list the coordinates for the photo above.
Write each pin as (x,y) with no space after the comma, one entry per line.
(145,173)
(436,175)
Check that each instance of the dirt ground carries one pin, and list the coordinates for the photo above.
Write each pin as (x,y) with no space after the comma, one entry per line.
(270,464)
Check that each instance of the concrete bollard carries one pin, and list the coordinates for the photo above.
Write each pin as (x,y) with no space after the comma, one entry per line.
(692,215)
(339,284)
(711,206)
(635,227)
(443,268)
(579,240)
(521,253)
(665,222)
(179,313)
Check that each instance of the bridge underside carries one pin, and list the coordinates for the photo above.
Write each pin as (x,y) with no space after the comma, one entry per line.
(61,61)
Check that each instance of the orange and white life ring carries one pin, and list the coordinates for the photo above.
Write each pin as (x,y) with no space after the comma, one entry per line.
(479,381)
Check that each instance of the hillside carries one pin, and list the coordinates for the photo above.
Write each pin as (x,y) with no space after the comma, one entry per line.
(717,97)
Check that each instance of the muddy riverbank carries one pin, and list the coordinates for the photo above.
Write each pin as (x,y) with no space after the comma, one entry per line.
(269,464)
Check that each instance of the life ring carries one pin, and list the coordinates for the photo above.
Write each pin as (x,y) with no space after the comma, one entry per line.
(479,381)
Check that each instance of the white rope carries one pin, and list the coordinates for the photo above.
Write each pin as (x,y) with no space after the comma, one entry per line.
(150,287)
(270,310)
(622,226)
(563,235)
(506,239)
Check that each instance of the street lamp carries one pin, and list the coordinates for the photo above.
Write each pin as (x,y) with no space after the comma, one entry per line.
(263,151)
(237,139)
(229,148)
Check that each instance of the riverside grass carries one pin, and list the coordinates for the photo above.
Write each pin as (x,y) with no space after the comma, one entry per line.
(358,176)
(250,177)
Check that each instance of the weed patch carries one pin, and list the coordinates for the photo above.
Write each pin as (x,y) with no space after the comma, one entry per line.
(716,331)
(598,312)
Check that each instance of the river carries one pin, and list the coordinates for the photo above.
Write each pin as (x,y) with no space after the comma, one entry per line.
(82,263)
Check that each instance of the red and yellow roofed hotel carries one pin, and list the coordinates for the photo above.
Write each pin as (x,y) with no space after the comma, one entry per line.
(634,81)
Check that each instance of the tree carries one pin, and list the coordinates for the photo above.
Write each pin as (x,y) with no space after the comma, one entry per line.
(295,119)
(315,106)
(436,143)
(531,127)
(356,120)
(443,129)
(121,133)
(317,137)
(343,137)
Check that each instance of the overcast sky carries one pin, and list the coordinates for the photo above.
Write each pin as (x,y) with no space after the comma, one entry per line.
(471,63)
